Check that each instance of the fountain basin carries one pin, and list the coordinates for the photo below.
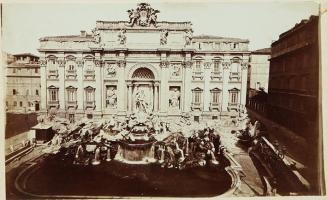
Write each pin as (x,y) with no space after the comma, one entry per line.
(51,178)
(136,152)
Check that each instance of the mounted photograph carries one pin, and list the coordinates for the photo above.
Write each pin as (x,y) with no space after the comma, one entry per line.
(111,99)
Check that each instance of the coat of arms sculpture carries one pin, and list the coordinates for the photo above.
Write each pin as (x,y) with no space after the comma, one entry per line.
(144,15)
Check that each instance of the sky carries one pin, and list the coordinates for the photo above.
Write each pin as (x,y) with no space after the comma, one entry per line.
(260,22)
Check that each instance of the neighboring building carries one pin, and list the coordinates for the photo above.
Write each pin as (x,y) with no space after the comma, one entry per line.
(294,79)
(23,83)
(258,78)
(143,64)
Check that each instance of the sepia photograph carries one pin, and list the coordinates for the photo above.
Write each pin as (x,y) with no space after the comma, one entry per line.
(170,99)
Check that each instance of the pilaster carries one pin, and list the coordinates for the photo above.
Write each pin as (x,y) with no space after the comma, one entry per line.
(80,89)
(206,89)
(121,87)
(62,86)
(225,96)
(187,93)
(98,83)
(244,79)
(44,90)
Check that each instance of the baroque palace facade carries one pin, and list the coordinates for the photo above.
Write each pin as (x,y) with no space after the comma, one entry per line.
(159,67)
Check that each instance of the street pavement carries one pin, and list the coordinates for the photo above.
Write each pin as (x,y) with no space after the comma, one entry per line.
(251,184)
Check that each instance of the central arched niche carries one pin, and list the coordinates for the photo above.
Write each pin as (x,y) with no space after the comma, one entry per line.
(143,73)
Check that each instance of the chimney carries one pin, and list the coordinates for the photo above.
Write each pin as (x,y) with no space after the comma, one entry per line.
(83,33)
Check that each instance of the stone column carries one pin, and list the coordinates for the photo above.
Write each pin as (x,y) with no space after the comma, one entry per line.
(156,94)
(225,96)
(244,79)
(164,87)
(135,88)
(121,87)
(62,87)
(98,83)
(129,94)
(206,95)
(44,89)
(187,93)
(80,90)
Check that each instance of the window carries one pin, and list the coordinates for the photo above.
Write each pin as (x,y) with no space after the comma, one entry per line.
(14,70)
(89,94)
(14,92)
(15,103)
(197,95)
(21,104)
(89,116)
(215,97)
(6,103)
(71,94)
(198,65)
(71,67)
(196,118)
(233,96)
(214,117)
(234,67)
(36,70)
(37,92)
(53,93)
(216,66)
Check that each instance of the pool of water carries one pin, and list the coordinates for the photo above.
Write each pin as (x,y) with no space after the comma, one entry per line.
(54,176)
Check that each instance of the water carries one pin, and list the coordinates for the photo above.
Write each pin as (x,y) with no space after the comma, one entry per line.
(57,177)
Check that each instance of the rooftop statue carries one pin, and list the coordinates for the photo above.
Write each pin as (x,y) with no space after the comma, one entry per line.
(144,15)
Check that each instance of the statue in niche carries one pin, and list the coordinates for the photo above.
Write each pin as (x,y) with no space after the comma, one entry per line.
(174,99)
(111,70)
(188,38)
(141,104)
(176,70)
(163,37)
(111,97)
(122,36)
(96,35)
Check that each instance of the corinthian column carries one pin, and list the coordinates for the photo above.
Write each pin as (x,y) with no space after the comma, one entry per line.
(156,99)
(225,97)
(121,86)
(129,97)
